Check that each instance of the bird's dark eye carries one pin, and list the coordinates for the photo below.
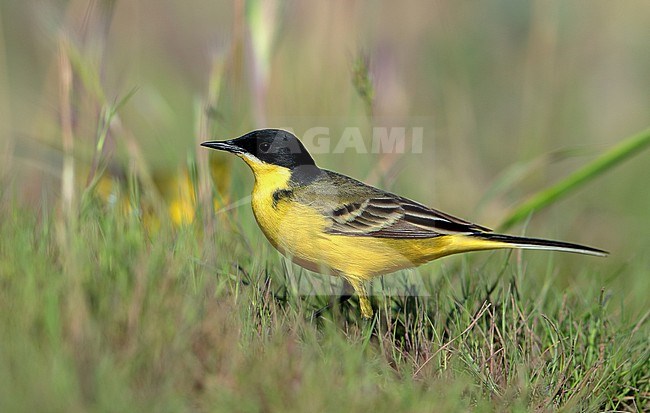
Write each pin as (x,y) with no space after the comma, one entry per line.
(264,146)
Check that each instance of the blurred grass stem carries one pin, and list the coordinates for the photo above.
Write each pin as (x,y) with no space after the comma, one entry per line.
(629,147)
(5,126)
(67,137)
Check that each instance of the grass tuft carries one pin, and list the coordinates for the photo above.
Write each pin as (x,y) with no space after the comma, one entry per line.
(122,320)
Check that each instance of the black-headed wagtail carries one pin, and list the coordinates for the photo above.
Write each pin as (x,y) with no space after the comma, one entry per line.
(328,222)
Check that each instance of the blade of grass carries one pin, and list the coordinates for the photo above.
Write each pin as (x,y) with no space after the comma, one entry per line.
(512,176)
(99,165)
(603,163)
(362,81)
(6,140)
(87,71)
(263,21)
(67,137)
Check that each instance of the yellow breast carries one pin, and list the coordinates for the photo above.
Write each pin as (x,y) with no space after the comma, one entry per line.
(298,232)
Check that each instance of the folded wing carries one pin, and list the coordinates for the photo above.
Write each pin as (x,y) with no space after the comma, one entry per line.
(390,216)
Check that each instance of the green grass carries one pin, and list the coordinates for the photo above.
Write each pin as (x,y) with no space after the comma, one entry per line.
(100,316)
(103,311)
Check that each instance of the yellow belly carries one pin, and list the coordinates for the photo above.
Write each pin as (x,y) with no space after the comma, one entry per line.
(298,232)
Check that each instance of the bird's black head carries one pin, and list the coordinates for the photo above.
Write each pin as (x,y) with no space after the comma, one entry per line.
(271,146)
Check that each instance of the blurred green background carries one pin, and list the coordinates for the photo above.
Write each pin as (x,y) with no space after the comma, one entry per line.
(512,97)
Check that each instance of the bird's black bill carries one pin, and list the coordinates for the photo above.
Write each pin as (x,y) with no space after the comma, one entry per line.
(227,146)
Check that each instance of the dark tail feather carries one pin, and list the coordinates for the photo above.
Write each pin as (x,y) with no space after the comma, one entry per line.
(540,244)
